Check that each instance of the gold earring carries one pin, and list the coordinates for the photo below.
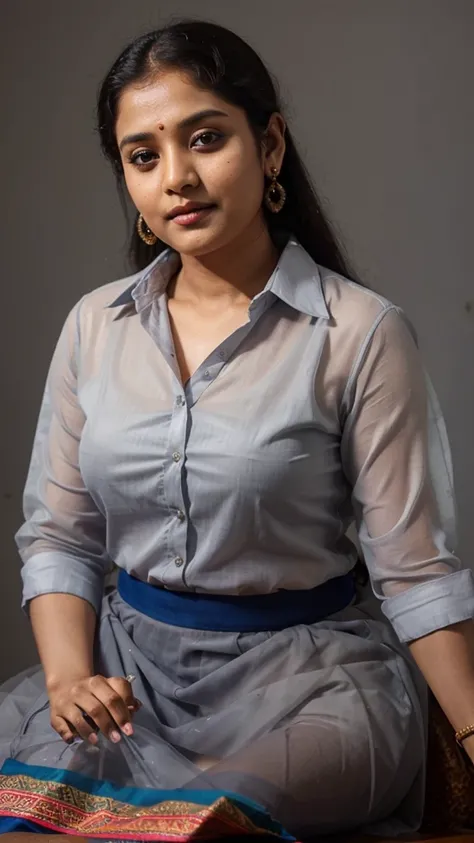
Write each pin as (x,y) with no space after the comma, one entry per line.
(145,233)
(275,195)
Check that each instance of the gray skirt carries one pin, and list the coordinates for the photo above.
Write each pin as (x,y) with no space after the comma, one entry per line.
(323,724)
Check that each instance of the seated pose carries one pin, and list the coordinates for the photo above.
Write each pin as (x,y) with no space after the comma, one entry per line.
(212,426)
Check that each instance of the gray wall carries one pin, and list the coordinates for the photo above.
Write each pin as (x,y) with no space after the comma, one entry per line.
(380,94)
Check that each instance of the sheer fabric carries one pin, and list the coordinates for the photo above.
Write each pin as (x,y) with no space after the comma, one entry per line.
(315,414)
(246,479)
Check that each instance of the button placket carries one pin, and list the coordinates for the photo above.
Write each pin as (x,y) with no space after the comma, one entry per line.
(213,365)
(172,484)
(176,533)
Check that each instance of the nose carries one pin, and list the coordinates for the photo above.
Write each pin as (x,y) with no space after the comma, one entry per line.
(178,172)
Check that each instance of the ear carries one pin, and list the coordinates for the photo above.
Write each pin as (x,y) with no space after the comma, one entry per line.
(273,148)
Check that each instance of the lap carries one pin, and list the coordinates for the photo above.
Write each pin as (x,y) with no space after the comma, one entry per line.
(314,722)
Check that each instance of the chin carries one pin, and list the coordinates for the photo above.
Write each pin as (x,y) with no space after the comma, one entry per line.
(198,241)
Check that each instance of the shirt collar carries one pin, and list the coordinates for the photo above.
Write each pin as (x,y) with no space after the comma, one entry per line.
(296,280)
(149,282)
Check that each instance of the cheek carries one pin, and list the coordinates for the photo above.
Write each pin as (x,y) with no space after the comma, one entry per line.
(238,178)
(141,187)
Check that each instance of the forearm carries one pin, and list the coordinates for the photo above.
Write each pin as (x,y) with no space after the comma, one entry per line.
(446,659)
(64,628)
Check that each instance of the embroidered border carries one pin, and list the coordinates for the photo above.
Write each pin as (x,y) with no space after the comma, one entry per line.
(64,808)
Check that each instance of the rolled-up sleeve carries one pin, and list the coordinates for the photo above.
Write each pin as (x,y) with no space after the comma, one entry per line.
(62,541)
(396,457)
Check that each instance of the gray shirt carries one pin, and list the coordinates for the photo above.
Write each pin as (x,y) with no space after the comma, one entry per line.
(315,413)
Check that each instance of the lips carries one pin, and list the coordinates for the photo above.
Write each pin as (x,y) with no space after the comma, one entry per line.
(189,208)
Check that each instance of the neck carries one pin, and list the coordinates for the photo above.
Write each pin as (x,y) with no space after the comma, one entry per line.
(238,271)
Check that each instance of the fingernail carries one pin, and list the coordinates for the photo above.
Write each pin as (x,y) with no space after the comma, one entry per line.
(93,739)
(127,729)
(115,737)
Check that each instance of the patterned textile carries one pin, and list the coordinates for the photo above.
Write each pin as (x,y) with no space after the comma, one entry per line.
(60,801)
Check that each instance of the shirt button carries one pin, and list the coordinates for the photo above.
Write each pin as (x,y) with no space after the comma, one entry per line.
(180,515)
(179,401)
(178,562)
(176,456)
(222,354)
(207,374)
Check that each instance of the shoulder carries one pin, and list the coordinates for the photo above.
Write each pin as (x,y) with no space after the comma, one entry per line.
(89,321)
(103,298)
(357,313)
(107,303)
(95,309)
(346,300)
(365,332)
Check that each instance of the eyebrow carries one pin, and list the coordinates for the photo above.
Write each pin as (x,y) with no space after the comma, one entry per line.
(143,137)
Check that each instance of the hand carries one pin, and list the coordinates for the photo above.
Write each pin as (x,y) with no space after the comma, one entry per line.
(83,705)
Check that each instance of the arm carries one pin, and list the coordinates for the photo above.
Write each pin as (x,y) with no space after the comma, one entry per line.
(64,627)
(62,544)
(391,451)
(446,659)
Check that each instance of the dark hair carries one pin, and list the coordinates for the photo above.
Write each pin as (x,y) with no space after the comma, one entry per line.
(220,61)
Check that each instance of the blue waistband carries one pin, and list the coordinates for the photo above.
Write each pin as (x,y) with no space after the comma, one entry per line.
(247,613)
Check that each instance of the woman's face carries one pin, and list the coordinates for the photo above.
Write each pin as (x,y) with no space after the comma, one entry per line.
(185,149)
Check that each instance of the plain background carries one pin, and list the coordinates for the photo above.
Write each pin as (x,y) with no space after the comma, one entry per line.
(379,93)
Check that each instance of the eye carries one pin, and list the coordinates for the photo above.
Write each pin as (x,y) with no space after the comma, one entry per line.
(142,158)
(207,139)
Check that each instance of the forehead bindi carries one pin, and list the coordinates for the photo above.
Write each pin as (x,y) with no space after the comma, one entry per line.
(162,104)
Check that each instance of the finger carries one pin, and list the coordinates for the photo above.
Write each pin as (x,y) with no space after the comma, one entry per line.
(62,728)
(120,702)
(78,725)
(123,688)
(95,714)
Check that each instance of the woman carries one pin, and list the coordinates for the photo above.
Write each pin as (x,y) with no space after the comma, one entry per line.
(213,425)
